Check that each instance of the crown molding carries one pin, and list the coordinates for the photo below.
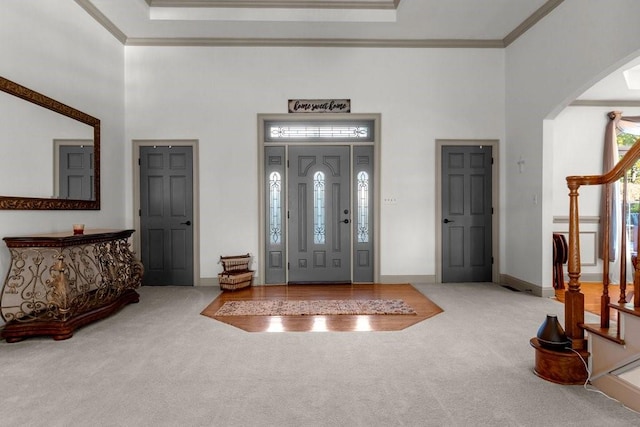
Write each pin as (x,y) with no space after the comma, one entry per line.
(604,103)
(275,42)
(535,17)
(296,4)
(102,20)
(307,42)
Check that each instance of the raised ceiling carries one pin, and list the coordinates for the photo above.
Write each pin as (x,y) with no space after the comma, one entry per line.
(619,89)
(369,23)
(341,23)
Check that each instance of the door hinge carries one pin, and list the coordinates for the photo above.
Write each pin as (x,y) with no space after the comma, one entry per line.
(139,162)
(492,160)
(288,215)
(287,163)
(491,210)
(288,266)
(491,260)
(139,212)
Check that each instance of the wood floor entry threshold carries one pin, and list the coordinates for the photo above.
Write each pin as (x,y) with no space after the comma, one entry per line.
(423,306)
(319,283)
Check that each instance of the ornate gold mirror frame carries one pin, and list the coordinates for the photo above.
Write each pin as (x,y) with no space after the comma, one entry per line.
(17,202)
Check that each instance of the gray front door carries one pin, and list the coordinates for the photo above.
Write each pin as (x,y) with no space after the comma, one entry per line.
(166,215)
(319,214)
(466,213)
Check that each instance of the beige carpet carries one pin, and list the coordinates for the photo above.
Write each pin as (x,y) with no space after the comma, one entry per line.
(160,363)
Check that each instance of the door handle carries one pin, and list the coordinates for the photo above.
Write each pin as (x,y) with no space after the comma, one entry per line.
(186,223)
(346,221)
(447,220)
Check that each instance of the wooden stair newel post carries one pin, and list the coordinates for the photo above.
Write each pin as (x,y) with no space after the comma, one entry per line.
(559,365)
(574,299)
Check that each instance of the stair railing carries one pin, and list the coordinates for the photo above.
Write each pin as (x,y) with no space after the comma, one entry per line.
(574,299)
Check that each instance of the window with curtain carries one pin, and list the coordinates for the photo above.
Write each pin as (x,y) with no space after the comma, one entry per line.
(626,138)
(619,137)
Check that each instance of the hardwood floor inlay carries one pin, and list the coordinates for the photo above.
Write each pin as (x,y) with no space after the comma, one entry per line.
(423,306)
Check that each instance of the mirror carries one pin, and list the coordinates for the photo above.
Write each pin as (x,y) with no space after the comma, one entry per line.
(28,134)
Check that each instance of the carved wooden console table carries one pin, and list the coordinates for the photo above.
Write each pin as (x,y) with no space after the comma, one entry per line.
(59,282)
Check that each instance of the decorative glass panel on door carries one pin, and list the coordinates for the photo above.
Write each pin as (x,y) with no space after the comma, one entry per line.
(318,208)
(275,207)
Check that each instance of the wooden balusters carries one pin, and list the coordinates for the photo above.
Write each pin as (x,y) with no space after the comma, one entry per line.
(623,244)
(574,299)
(605,314)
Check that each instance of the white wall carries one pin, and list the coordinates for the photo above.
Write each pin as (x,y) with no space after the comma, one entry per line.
(554,62)
(577,150)
(214,95)
(57,49)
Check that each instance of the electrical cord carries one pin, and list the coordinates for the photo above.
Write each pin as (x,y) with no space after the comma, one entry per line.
(593,389)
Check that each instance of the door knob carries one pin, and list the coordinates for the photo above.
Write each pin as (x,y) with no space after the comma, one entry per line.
(346,221)
(186,223)
(447,221)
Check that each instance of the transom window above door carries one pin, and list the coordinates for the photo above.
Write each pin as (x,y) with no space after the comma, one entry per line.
(310,131)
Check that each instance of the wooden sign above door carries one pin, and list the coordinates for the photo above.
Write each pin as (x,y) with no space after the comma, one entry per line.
(319,105)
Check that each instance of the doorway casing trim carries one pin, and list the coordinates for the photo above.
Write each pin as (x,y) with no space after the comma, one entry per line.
(329,117)
(495,200)
(193,143)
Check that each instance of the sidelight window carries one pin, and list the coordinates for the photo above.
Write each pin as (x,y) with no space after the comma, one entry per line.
(275,208)
(363,207)
(318,208)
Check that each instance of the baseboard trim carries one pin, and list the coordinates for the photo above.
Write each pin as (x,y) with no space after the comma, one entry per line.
(586,277)
(524,286)
(386,279)
(619,390)
(505,279)
(389,279)
(208,281)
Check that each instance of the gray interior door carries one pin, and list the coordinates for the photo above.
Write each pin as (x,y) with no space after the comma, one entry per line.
(319,214)
(166,215)
(76,172)
(466,214)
